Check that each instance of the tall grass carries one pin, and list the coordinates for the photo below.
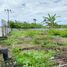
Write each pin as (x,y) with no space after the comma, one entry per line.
(38,37)
(56,32)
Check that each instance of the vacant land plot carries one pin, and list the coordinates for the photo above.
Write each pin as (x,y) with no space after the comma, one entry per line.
(46,43)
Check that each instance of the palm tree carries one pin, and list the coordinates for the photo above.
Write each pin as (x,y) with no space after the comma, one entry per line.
(50,20)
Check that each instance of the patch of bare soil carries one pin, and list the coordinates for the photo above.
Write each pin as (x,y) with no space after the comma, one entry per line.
(27,47)
(59,39)
(61,57)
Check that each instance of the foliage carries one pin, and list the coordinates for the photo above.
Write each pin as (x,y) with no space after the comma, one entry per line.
(63,26)
(53,32)
(36,37)
(24,25)
(62,33)
(17,36)
(11,38)
(50,21)
(45,41)
(33,58)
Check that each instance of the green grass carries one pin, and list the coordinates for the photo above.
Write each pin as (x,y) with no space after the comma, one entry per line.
(55,32)
(33,58)
(36,37)
(18,36)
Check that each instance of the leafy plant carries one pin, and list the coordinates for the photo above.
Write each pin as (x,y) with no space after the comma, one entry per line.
(33,58)
(50,20)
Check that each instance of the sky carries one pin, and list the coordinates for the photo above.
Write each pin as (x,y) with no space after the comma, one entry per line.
(27,10)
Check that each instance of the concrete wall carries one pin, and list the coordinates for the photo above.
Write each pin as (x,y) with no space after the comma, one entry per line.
(4,31)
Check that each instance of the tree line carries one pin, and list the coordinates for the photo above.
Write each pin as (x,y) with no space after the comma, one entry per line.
(49,20)
(24,25)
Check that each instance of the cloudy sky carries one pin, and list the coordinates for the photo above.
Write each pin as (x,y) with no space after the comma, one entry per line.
(26,10)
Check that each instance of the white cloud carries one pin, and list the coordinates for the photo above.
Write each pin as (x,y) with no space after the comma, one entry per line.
(27,9)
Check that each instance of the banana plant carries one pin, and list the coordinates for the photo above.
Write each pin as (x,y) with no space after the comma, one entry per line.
(50,20)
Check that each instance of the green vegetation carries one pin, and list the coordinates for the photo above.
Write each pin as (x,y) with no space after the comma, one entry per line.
(50,20)
(45,39)
(55,32)
(35,37)
(63,26)
(33,58)
(25,25)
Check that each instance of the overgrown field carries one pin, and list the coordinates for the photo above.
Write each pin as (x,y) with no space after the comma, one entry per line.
(51,37)
(44,38)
